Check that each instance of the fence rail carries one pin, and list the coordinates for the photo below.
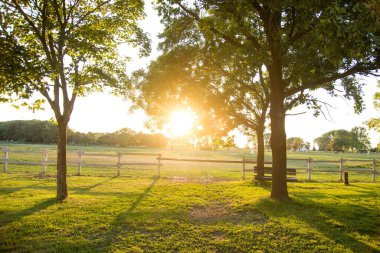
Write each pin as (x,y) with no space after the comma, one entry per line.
(118,164)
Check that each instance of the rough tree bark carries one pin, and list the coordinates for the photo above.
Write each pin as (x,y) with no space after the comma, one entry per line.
(61,161)
(278,135)
(260,151)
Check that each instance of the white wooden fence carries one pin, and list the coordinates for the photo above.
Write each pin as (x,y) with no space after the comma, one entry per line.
(340,163)
(44,161)
(81,155)
(118,164)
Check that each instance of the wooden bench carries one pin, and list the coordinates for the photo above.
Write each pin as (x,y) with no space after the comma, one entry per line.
(268,170)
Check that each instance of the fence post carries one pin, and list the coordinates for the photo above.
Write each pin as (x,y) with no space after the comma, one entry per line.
(80,153)
(346,178)
(309,168)
(5,163)
(341,161)
(243,176)
(118,163)
(45,159)
(374,170)
(159,165)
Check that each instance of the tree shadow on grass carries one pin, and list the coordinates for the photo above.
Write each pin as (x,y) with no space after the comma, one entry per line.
(365,189)
(334,220)
(15,216)
(88,190)
(137,201)
(119,223)
(37,186)
(142,196)
(79,190)
(7,178)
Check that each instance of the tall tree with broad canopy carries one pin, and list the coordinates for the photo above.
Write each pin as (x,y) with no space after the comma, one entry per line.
(63,49)
(304,45)
(204,76)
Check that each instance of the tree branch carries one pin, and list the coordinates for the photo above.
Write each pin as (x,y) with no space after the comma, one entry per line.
(71,10)
(87,14)
(293,15)
(56,9)
(33,27)
(357,69)
(251,38)
(294,114)
(258,8)
(196,17)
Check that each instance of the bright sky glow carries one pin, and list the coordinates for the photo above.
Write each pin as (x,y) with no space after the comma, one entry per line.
(181,123)
(340,115)
(240,140)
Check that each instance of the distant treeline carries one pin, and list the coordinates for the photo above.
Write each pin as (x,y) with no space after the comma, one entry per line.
(37,131)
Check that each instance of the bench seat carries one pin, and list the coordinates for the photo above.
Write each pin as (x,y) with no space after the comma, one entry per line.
(268,170)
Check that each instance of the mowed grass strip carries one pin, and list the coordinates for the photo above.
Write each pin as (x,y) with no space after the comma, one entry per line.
(185,214)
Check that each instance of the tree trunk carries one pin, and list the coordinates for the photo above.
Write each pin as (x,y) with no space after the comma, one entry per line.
(260,152)
(278,142)
(277,116)
(61,161)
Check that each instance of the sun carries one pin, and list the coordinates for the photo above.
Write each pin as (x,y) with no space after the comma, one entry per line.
(180,123)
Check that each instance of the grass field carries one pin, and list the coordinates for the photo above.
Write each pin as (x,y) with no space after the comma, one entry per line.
(191,208)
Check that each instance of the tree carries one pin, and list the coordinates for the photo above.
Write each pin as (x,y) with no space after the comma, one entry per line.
(66,49)
(30,131)
(207,76)
(324,141)
(341,140)
(360,138)
(214,142)
(374,123)
(295,143)
(304,45)
(336,140)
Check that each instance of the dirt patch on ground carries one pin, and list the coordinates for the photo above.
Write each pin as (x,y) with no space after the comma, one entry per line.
(42,175)
(202,180)
(211,179)
(224,213)
(209,212)
(179,179)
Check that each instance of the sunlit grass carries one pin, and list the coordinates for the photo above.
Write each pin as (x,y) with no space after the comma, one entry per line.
(200,207)
(183,214)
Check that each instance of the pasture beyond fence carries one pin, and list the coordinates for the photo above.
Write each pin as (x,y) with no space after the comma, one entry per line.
(159,159)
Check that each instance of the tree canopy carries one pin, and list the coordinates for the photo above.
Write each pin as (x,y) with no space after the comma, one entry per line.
(37,131)
(343,140)
(65,49)
(304,45)
(210,78)
(295,143)
(29,131)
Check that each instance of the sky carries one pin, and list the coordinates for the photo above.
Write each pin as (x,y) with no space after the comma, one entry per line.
(340,115)
(102,112)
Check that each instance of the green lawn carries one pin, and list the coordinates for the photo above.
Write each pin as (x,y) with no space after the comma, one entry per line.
(193,207)
(178,214)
